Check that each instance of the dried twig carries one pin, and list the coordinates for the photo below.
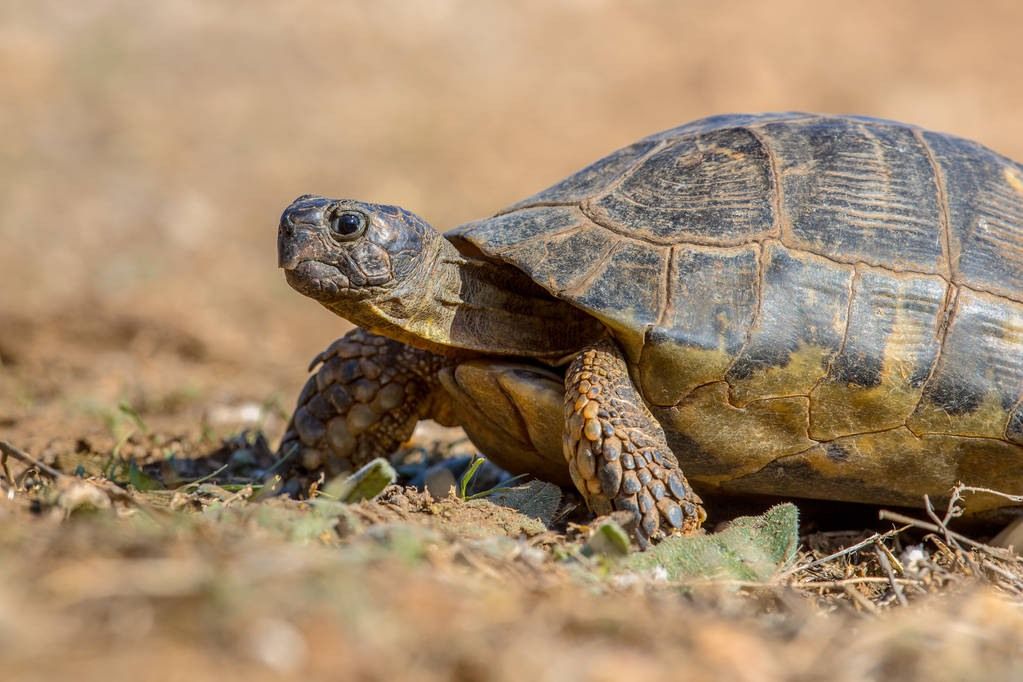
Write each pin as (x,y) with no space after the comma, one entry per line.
(998,552)
(886,566)
(952,511)
(17,453)
(865,604)
(114,491)
(832,584)
(960,489)
(875,538)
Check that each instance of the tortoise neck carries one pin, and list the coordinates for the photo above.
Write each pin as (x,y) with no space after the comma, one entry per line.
(460,305)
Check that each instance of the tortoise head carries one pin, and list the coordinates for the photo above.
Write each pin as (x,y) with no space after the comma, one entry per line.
(388,271)
(340,251)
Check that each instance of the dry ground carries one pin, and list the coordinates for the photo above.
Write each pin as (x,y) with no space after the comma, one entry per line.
(148,150)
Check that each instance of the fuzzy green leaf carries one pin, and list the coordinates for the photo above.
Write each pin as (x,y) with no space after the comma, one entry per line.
(365,484)
(752,548)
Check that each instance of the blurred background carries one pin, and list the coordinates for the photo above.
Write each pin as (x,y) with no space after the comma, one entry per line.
(149,148)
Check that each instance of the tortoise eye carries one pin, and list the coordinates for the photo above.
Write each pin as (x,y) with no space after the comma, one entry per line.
(348,224)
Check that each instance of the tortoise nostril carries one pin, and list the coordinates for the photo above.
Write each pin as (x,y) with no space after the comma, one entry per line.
(286,225)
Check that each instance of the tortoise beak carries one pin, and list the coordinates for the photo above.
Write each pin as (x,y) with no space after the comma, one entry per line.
(289,262)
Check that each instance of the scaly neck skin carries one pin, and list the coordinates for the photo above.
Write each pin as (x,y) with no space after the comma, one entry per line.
(458,305)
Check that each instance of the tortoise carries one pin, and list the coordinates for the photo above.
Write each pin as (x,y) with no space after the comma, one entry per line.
(788,304)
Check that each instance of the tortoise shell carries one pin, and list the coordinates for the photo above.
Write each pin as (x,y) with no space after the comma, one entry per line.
(825,306)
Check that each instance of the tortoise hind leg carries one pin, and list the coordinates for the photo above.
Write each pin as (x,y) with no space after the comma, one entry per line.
(616,450)
(363,401)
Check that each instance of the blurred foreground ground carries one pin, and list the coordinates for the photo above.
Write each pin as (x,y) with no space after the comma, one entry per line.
(148,150)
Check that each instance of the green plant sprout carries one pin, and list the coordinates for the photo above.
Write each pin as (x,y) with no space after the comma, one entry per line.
(470,474)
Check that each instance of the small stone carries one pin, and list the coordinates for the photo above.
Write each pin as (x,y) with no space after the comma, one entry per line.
(439,481)
(80,496)
(273,642)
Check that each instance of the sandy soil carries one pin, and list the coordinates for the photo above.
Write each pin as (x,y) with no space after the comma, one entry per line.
(148,151)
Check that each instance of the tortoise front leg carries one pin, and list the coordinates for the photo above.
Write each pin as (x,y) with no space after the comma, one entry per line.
(362,402)
(616,451)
